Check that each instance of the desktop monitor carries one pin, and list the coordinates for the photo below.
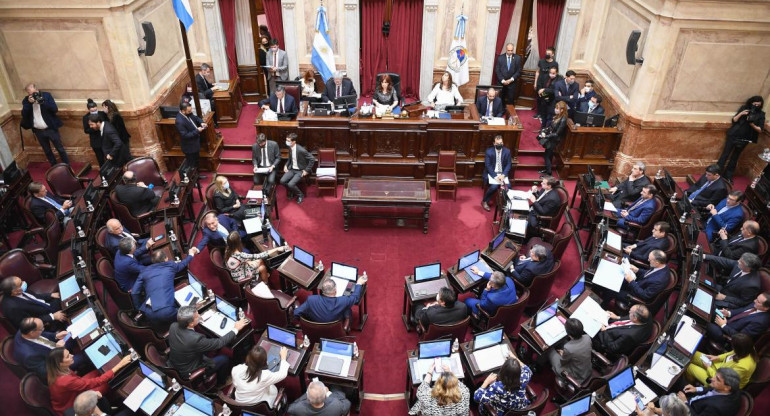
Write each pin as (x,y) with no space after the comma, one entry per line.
(90,193)
(226,308)
(68,288)
(621,382)
(434,349)
(344,271)
(494,244)
(276,237)
(303,257)
(195,284)
(454,108)
(321,106)
(577,289)
(344,102)
(427,272)
(152,374)
(199,402)
(588,119)
(487,338)
(336,347)
(546,313)
(282,336)
(577,407)
(168,111)
(468,260)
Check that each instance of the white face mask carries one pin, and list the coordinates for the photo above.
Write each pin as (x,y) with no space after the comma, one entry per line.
(288,143)
(552,75)
(226,185)
(94,111)
(591,104)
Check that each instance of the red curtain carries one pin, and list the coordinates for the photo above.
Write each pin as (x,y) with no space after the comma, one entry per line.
(506,15)
(401,49)
(227,10)
(274,20)
(548,20)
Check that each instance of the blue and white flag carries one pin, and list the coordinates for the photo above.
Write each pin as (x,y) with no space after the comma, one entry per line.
(457,64)
(183,12)
(323,56)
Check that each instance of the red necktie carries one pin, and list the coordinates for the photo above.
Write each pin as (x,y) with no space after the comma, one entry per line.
(741,315)
(620,323)
(339,90)
(280,106)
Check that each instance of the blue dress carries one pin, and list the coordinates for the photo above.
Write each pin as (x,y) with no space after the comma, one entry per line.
(501,399)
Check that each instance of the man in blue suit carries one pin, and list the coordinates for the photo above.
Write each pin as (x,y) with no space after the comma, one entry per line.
(327,307)
(539,262)
(215,231)
(641,210)
(153,291)
(742,283)
(726,215)
(500,291)
(116,233)
(497,164)
(31,346)
(279,101)
(592,106)
(657,241)
(38,112)
(491,105)
(568,90)
(190,128)
(752,320)
(645,284)
(127,265)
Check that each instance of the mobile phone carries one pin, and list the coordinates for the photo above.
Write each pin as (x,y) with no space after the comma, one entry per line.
(189,296)
(67,337)
(639,402)
(718,312)
(159,237)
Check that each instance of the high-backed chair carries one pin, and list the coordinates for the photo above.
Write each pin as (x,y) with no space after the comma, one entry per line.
(210,197)
(6,354)
(26,210)
(747,405)
(293,88)
(481,91)
(536,403)
(566,387)
(277,311)
(638,231)
(507,316)
(541,286)
(326,174)
(42,243)
(140,222)
(762,246)
(396,78)
(35,395)
(317,330)
(5,322)
(436,331)
(554,241)
(671,252)
(552,222)
(760,378)
(197,380)
(18,263)
(146,170)
(106,274)
(100,240)
(656,302)
(233,289)
(640,349)
(138,334)
(446,177)
(63,182)
(278,407)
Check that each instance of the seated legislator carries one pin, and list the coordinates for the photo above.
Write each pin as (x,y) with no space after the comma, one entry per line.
(445,93)
(592,106)
(265,154)
(641,210)
(116,232)
(446,310)
(752,320)
(216,230)
(64,385)
(188,348)
(491,105)
(299,165)
(307,88)
(709,189)
(586,93)
(544,201)
(742,359)
(623,334)
(447,397)
(645,284)
(153,291)
(41,201)
(574,357)
(328,307)
(670,405)
(726,215)
(90,403)
(385,97)
(525,269)
(500,291)
(127,264)
(721,397)
(506,390)
(733,247)
(17,304)
(497,164)
(32,343)
(742,285)
(279,101)
(226,201)
(244,265)
(320,401)
(641,250)
(630,189)
(254,382)
(338,86)
(136,195)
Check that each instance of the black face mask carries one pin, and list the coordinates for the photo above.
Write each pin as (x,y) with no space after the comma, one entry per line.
(548,56)
(498,146)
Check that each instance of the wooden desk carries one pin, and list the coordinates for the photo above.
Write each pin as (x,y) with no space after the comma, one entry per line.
(127,384)
(229,103)
(177,399)
(299,275)
(184,208)
(464,283)
(242,343)
(211,144)
(386,198)
(469,359)
(529,335)
(175,242)
(297,357)
(353,380)
(595,146)
(501,257)
(419,292)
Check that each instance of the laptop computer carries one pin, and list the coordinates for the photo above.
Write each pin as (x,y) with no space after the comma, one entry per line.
(549,325)
(430,352)
(472,259)
(220,319)
(427,272)
(304,258)
(344,277)
(624,388)
(277,239)
(577,289)
(282,336)
(69,291)
(546,314)
(335,357)
(153,374)
(105,352)
(577,407)
(190,294)
(684,344)
(495,243)
(488,350)
(704,302)
(195,405)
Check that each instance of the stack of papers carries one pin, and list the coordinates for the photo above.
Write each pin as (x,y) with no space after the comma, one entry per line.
(147,396)
(591,315)
(491,357)
(551,331)
(493,181)
(252,225)
(609,275)
(614,241)
(663,371)
(609,207)
(256,193)
(518,205)
(83,324)
(518,227)
(496,121)
(514,194)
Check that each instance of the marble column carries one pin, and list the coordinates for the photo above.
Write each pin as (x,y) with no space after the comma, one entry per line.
(428,50)
(352,38)
(569,19)
(290,37)
(487,55)
(244,42)
(6,157)
(217,44)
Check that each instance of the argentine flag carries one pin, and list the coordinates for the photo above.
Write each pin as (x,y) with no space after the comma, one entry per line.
(183,12)
(323,57)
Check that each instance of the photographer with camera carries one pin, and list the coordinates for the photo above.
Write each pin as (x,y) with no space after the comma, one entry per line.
(747,124)
(38,112)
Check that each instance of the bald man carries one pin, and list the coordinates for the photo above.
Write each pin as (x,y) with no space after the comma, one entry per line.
(319,401)
(136,195)
(116,232)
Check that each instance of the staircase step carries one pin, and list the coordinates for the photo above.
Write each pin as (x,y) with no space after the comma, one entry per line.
(530,160)
(235,169)
(240,155)
(236,146)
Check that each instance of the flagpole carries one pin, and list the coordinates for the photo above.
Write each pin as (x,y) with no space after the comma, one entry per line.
(190,70)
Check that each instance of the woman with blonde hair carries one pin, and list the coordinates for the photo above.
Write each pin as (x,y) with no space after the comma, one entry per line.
(226,201)
(244,265)
(552,135)
(448,397)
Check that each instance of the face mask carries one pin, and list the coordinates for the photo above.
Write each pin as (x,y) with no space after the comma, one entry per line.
(556,111)
(552,75)
(94,111)
(548,56)
(591,104)
(226,185)
(23,286)
(498,146)
(288,143)
(588,88)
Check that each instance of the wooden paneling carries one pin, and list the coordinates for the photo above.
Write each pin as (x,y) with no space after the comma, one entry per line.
(250,83)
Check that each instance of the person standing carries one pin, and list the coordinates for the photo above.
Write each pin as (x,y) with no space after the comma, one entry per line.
(94,136)
(277,65)
(508,70)
(190,128)
(206,88)
(497,164)
(114,117)
(550,138)
(265,154)
(115,150)
(541,75)
(299,165)
(546,95)
(38,112)
(747,124)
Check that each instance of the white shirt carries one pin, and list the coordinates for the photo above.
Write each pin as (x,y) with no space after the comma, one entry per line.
(257,391)
(294,164)
(101,129)
(37,117)
(444,97)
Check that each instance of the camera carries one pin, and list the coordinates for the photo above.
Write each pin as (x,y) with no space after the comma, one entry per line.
(38,97)
(754,115)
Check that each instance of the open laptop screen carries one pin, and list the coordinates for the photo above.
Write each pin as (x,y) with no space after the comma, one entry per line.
(226,308)
(427,272)
(199,402)
(281,336)
(152,374)
(546,313)
(468,260)
(485,339)
(303,257)
(577,407)
(621,382)
(702,300)
(344,271)
(498,240)
(433,349)
(276,237)
(68,288)
(336,347)
(577,289)
(195,284)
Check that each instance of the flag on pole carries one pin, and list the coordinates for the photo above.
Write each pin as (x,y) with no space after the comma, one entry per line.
(323,56)
(183,12)
(457,64)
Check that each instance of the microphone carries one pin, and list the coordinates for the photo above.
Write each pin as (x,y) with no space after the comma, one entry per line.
(509,245)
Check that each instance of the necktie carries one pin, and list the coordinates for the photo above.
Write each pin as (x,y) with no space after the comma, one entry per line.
(541,195)
(695,194)
(264,156)
(53,202)
(275,59)
(222,231)
(742,315)
(498,162)
(620,323)
(339,90)
(724,208)
(489,108)
(44,342)
(192,122)
(280,106)
(509,62)
(638,202)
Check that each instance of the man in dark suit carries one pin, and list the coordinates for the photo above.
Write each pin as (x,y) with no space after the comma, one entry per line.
(722,397)
(320,401)
(153,291)
(32,343)
(207,88)
(742,284)
(641,210)
(628,191)
(645,284)
(545,201)
(508,70)
(127,265)
(497,164)
(215,231)
(568,90)
(299,165)
(338,87)
(586,93)
(709,189)
(41,201)
(328,307)
(446,310)
(188,347)
(657,241)
(491,105)
(279,101)
(500,291)
(727,214)
(752,320)
(136,195)
(116,232)
(190,128)
(623,334)
(38,112)
(265,154)
(733,247)
(115,151)
(592,106)
(546,95)
(94,136)
(17,304)
(539,262)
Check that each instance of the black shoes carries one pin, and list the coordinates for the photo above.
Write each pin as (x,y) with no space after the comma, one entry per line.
(543,171)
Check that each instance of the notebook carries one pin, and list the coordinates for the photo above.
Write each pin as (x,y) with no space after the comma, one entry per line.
(472,259)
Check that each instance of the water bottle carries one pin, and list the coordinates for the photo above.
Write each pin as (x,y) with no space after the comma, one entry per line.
(81,233)
(172,236)
(85,290)
(241,314)
(659,174)
(673,198)
(455,346)
(320,266)
(106,325)
(305,342)
(683,218)
(755,181)
(225,410)
(355,349)
(104,182)
(175,385)
(210,294)
(134,355)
